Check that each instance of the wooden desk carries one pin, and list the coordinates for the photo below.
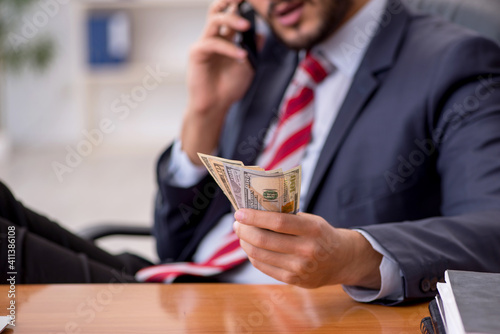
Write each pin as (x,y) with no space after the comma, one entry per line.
(201,308)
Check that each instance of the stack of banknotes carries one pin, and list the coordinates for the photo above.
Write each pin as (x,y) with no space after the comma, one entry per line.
(252,187)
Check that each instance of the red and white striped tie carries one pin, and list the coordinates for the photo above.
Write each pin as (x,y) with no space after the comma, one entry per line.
(228,256)
(292,132)
(285,150)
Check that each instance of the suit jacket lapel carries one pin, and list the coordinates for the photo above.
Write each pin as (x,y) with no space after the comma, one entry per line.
(379,57)
(256,111)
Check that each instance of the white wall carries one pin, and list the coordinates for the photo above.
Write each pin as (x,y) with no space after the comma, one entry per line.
(44,108)
(52,108)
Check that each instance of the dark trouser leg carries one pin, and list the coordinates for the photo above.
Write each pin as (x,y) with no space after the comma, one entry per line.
(38,260)
(47,253)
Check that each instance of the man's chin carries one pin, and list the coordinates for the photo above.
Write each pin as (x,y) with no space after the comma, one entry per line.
(315,26)
(297,40)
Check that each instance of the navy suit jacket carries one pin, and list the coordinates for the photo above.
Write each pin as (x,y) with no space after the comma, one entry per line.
(413,157)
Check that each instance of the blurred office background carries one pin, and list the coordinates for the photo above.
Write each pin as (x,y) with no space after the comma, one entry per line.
(79,138)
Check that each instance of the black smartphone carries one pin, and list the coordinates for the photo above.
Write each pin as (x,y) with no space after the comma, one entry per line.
(247,38)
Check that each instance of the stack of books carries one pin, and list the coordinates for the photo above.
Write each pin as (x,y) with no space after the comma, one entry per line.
(4,322)
(468,302)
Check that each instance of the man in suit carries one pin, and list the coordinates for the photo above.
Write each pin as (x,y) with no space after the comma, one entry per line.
(401,175)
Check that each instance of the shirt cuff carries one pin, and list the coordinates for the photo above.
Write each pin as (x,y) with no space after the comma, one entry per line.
(391,286)
(181,172)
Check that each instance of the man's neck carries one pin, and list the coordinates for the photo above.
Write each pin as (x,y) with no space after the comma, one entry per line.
(356,7)
(345,49)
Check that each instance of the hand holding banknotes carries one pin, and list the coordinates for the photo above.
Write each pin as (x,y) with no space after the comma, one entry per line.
(292,247)
(305,250)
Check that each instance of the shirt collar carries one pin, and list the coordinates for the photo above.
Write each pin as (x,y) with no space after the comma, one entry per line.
(346,47)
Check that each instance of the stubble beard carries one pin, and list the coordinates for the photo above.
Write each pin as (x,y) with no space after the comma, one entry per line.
(330,19)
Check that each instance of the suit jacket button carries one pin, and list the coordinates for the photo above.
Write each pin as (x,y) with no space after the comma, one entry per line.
(434,281)
(425,285)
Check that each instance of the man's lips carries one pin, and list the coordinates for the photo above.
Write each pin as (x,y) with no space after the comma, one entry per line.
(288,13)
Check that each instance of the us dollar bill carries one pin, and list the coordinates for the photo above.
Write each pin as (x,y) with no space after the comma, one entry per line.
(255,188)
(277,192)
(215,167)
(233,174)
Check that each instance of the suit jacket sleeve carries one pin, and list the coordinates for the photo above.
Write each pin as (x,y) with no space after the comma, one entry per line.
(465,107)
(178,211)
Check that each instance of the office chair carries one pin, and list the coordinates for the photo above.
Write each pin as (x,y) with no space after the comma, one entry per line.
(105,229)
(482,16)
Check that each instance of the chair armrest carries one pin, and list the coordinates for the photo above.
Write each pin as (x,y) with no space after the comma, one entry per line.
(98,231)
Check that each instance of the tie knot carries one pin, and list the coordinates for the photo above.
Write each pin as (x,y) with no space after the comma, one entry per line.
(316,67)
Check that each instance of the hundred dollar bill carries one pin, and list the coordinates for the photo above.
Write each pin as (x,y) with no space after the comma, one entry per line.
(235,178)
(233,174)
(279,192)
(215,167)
(255,188)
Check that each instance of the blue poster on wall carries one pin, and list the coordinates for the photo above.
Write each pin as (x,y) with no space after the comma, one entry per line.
(109,39)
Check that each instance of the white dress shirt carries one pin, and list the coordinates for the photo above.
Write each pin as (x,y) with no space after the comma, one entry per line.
(345,49)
